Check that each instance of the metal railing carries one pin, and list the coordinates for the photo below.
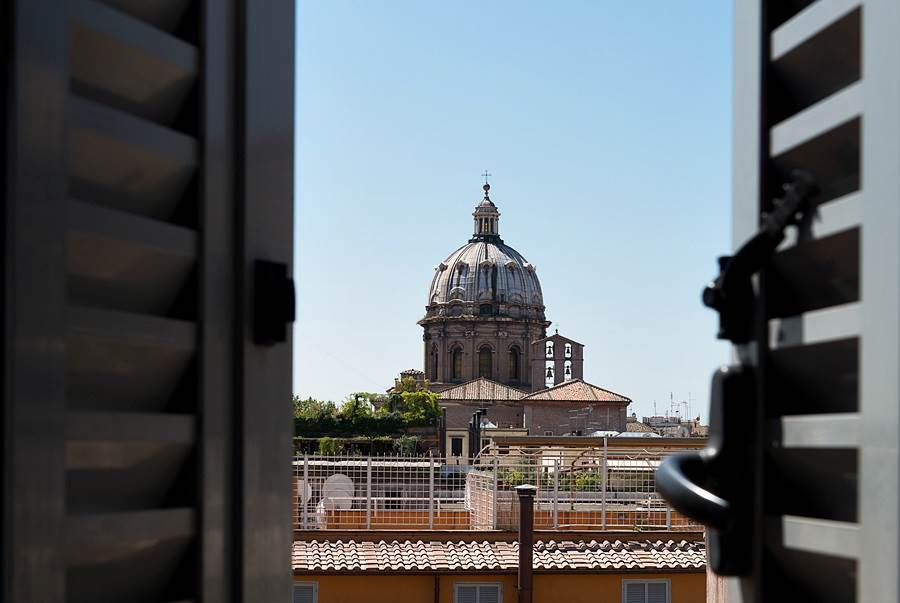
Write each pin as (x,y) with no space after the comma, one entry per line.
(589,488)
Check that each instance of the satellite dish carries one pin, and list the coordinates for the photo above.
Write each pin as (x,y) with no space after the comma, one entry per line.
(339,490)
(304,491)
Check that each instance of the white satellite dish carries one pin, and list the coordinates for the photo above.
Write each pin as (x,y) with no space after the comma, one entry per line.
(339,489)
(304,491)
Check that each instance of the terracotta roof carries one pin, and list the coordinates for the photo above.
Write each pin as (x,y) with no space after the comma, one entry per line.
(314,556)
(482,389)
(576,390)
(637,427)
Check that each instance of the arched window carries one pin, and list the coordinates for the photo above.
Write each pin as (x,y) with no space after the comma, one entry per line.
(485,362)
(567,373)
(568,350)
(549,348)
(548,374)
(434,363)
(456,364)
(514,364)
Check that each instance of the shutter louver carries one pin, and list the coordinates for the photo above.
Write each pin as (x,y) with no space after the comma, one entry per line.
(305,592)
(132,343)
(657,592)
(466,594)
(804,112)
(144,439)
(489,594)
(635,592)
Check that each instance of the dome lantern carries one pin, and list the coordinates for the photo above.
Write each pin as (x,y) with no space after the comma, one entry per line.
(487,217)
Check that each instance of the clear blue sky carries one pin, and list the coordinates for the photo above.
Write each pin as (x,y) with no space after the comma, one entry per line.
(607,128)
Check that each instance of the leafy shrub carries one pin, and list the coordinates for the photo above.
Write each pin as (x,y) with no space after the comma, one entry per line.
(330,446)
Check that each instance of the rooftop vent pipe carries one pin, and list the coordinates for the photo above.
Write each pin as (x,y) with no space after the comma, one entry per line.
(526,541)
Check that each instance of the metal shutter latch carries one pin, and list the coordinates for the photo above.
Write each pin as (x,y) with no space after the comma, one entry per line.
(273,302)
(714,486)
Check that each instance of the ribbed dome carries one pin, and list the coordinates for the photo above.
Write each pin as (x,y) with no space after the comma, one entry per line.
(486,276)
(484,272)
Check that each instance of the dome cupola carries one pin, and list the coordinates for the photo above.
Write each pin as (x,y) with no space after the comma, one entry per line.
(487,219)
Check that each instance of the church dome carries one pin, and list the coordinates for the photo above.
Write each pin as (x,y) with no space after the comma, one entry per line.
(486,276)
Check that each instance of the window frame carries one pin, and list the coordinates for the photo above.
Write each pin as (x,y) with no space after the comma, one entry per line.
(666,581)
(315,587)
(456,363)
(453,440)
(514,361)
(479,586)
(486,353)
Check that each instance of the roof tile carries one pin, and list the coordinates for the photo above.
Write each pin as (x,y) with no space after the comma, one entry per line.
(311,556)
(576,390)
(482,389)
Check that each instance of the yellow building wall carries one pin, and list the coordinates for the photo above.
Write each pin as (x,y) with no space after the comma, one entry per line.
(548,588)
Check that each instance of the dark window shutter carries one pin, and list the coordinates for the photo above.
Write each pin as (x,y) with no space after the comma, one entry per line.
(305,592)
(799,104)
(136,163)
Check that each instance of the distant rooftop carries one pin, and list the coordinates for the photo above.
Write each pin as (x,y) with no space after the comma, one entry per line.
(576,390)
(410,556)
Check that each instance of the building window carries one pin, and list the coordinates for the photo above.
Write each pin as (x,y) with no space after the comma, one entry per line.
(568,350)
(306,592)
(514,364)
(548,374)
(434,363)
(456,446)
(477,593)
(456,364)
(567,372)
(548,433)
(485,309)
(646,591)
(485,362)
(549,349)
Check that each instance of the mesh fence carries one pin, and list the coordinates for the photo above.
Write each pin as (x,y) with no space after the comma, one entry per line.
(591,488)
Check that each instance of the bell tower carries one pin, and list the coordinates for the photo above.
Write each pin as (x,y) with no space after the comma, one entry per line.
(554,360)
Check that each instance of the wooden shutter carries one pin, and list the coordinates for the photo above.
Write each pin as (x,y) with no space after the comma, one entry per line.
(148,163)
(305,592)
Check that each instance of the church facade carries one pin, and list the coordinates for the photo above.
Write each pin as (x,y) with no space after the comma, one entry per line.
(485,337)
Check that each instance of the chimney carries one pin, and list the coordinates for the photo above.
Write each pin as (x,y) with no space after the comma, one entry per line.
(526,540)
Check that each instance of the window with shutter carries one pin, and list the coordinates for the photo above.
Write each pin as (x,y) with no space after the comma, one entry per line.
(306,592)
(131,223)
(804,104)
(477,593)
(646,591)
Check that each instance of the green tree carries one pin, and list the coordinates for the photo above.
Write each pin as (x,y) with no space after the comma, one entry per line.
(420,407)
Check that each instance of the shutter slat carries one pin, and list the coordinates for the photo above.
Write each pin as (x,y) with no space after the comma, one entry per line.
(657,592)
(466,594)
(635,592)
(305,592)
(489,593)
